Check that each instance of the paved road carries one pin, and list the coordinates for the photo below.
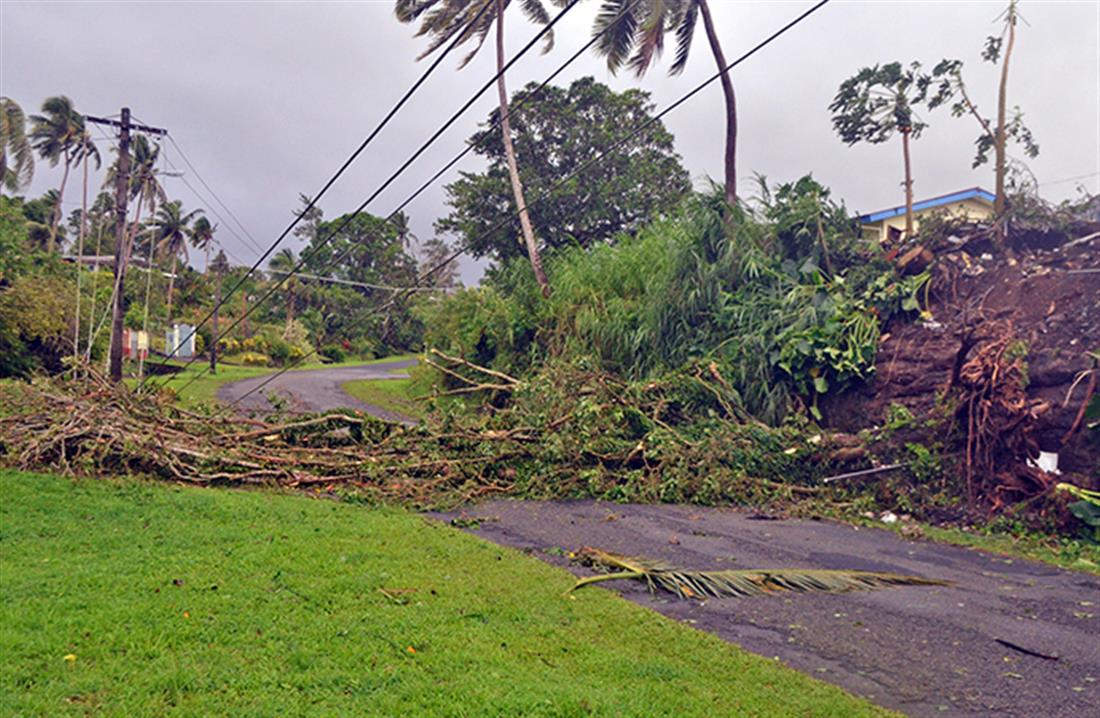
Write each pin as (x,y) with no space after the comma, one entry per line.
(924,651)
(317,389)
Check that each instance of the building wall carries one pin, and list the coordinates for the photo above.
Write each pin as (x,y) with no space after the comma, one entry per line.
(971,209)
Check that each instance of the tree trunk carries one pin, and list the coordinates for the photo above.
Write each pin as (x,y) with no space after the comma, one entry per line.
(908,183)
(731,104)
(1002,99)
(290,304)
(58,210)
(214,335)
(171,285)
(148,295)
(513,169)
(79,256)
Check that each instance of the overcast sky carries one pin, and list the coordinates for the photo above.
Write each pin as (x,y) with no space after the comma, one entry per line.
(268,98)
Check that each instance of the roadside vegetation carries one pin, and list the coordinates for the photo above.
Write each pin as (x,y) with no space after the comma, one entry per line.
(124,597)
(647,340)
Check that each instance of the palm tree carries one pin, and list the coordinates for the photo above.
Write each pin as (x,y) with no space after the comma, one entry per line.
(633,32)
(16,154)
(59,135)
(202,237)
(467,20)
(172,228)
(284,262)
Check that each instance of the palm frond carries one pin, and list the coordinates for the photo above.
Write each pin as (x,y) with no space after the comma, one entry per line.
(742,583)
(650,39)
(617,26)
(537,14)
(685,31)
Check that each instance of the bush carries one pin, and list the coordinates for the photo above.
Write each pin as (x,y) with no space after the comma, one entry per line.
(333,353)
(253,359)
(280,350)
(36,324)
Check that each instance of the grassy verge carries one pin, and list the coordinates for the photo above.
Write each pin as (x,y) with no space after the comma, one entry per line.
(1065,552)
(400,395)
(205,388)
(139,599)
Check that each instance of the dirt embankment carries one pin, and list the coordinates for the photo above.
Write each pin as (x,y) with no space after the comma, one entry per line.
(1043,308)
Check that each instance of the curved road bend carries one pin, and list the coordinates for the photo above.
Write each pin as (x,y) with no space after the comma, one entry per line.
(317,389)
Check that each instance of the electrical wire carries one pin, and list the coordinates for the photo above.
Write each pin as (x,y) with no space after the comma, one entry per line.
(314,249)
(618,143)
(347,163)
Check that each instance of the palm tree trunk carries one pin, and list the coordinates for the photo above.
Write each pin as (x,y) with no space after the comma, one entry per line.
(731,104)
(79,256)
(57,211)
(172,285)
(290,304)
(513,169)
(206,260)
(95,276)
(1002,99)
(908,183)
(145,314)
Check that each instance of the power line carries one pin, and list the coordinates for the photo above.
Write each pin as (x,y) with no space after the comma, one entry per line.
(1068,179)
(618,143)
(347,163)
(365,285)
(209,208)
(255,245)
(314,249)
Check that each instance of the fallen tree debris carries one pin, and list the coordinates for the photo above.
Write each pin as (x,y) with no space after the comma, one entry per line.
(742,582)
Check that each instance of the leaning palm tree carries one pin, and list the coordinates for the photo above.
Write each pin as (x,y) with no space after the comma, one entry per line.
(58,135)
(16,153)
(171,230)
(467,20)
(632,32)
(283,263)
(202,237)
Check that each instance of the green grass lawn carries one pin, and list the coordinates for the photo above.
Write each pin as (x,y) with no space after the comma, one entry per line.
(205,388)
(138,599)
(400,395)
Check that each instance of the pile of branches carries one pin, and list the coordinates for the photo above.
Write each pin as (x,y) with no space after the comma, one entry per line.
(566,431)
(998,420)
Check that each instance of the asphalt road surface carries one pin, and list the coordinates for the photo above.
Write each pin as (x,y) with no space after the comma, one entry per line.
(923,651)
(316,389)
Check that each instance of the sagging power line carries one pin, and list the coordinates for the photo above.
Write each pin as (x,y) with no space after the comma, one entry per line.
(642,127)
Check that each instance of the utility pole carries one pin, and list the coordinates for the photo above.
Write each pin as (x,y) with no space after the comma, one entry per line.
(219,267)
(122,252)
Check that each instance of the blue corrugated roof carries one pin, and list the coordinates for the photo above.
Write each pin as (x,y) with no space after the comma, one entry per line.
(973,192)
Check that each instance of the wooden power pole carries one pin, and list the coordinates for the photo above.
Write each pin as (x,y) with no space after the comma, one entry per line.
(122,252)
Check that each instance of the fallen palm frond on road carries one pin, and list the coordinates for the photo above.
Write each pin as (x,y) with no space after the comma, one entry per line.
(740,583)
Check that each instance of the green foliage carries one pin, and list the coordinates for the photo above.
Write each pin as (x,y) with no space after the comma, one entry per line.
(924,462)
(333,352)
(898,417)
(878,101)
(692,290)
(253,359)
(554,137)
(36,324)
